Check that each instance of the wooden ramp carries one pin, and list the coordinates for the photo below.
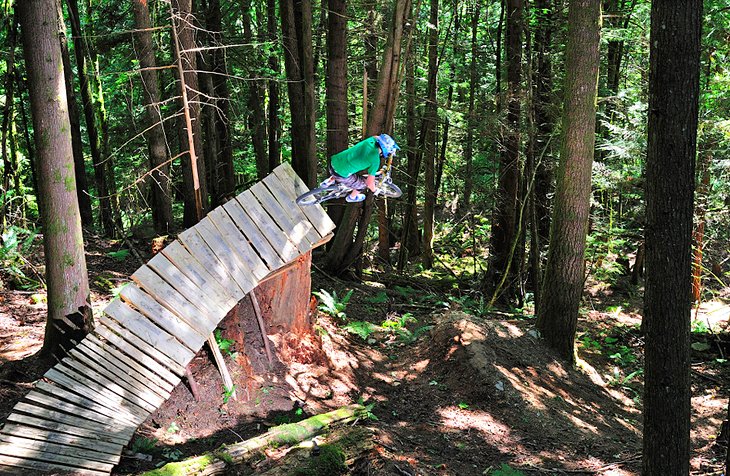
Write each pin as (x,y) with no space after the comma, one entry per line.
(88,406)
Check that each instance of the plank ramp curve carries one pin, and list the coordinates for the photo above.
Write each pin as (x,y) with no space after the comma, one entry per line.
(85,409)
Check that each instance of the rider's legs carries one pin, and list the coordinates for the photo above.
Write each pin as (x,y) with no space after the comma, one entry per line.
(354,182)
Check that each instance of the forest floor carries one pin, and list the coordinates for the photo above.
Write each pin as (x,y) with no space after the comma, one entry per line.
(455,390)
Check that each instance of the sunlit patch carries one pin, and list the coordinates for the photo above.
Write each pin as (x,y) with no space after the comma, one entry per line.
(493,431)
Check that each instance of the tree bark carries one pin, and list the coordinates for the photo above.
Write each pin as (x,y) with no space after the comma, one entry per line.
(101,176)
(336,78)
(428,137)
(296,23)
(674,64)
(564,274)
(156,146)
(274,125)
(504,231)
(183,21)
(69,309)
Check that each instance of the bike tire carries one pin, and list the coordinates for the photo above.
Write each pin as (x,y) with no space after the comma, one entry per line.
(390,190)
(317,195)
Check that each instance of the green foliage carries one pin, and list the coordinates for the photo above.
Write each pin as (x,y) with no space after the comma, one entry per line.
(333,304)
(506,470)
(120,255)
(361,328)
(224,345)
(142,444)
(329,461)
(15,245)
(228,393)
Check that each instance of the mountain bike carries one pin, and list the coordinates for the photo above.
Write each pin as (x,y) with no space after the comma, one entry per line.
(384,187)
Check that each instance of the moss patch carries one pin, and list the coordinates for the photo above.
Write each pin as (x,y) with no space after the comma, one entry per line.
(329,462)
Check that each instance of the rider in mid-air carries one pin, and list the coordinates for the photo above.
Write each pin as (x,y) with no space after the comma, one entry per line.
(365,155)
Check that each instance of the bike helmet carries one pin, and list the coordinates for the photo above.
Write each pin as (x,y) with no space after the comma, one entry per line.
(387,144)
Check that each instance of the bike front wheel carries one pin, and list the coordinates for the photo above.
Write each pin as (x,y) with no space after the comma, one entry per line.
(390,190)
(317,195)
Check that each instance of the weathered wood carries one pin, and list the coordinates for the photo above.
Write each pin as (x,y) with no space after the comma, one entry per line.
(88,403)
(238,242)
(202,252)
(15,430)
(287,199)
(255,235)
(68,407)
(12,463)
(316,214)
(147,331)
(180,282)
(94,392)
(295,231)
(92,344)
(64,427)
(78,382)
(109,383)
(272,232)
(50,447)
(282,435)
(235,266)
(11,451)
(174,301)
(188,264)
(262,326)
(105,368)
(141,351)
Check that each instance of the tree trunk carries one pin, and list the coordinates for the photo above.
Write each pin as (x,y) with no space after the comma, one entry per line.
(194,190)
(428,134)
(256,119)
(564,274)
(159,167)
(699,231)
(274,125)
(471,120)
(69,309)
(345,250)
(82,187)
(674,65)
(103,189)
(505,222)
(9,160)
(296,24)
(336,78)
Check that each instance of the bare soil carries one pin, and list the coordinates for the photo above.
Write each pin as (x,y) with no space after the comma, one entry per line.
(455,394)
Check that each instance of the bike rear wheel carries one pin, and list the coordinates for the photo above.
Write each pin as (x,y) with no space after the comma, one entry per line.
(317,195)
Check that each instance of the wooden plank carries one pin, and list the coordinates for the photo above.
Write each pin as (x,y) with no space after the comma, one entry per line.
(238,242)
(68,407)
(76,382)
(254,235)
(96,393)
(273,233)
(316,214)
(114,413)
(185,262)
(147,331)
(138,349)
(157,313)
(12,429)
(92,344)
(297,231)
(237,267)
(287,199)
(64,427)
(201,251)
(174,301)
(180,282)
(10,451)
(50,447)
(15,462)
(102,367)
(120,388)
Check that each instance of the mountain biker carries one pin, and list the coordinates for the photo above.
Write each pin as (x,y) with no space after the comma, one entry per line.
(365,155)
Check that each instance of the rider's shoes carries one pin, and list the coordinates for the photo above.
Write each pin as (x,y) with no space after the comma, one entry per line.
(357,198)
(327,183)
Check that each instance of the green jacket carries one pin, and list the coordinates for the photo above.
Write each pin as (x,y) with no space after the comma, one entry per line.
(365,155)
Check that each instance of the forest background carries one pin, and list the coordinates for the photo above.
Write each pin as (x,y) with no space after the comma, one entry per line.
(472,91)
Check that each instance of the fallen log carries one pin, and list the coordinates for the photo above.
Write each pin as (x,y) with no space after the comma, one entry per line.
(216,462)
